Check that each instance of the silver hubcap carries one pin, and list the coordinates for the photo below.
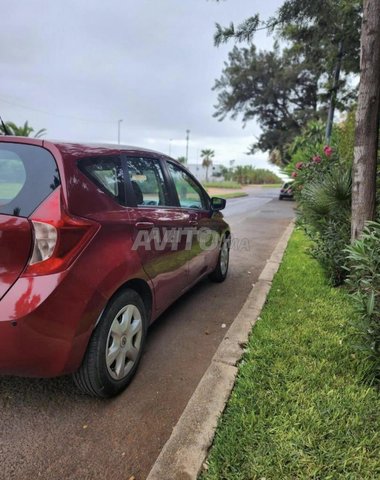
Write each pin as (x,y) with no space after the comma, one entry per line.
(224,254)
(124,342)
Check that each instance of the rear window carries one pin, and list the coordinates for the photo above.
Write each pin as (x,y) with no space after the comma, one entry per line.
(28,174)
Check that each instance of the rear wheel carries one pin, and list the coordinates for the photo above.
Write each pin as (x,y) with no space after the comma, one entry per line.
(280,197)
(115,347)
(219,274)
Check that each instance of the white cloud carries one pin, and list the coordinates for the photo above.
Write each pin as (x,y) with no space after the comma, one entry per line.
(75,68)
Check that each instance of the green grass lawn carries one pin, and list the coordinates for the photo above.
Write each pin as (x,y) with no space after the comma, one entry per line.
(233,195)
(235,185)
(271,185)
(299,409)
(223,184)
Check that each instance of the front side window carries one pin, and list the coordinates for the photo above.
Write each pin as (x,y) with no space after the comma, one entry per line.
(28,174)
(189,193)
(147,181)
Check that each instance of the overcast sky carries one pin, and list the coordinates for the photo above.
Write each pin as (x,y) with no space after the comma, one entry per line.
(76,67)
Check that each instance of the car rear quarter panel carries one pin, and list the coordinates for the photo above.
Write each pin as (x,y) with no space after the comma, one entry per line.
(51,318)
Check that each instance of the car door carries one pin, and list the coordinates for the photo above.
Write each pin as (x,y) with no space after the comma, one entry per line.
(157,226)
(194,201)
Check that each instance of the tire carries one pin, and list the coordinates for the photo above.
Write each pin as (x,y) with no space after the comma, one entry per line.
(115,347)
(280,197)
(219,274)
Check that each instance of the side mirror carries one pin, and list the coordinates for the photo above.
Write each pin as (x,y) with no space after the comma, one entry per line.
(218,203)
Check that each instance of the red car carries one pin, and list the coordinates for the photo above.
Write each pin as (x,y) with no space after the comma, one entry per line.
(95,243)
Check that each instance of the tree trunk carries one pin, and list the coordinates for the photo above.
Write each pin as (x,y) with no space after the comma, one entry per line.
(367,121)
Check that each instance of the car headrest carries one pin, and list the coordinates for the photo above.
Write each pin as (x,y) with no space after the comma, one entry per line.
(138,193)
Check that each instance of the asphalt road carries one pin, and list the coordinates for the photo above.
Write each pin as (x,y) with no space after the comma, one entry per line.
(49,431)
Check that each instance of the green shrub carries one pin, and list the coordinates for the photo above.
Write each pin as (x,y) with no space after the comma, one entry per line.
(324,211)
(304,146)
(364,282)
(247,174)
(322,187)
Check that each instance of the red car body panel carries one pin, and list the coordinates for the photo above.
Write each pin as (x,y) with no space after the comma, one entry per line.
(46,320)
(15,249)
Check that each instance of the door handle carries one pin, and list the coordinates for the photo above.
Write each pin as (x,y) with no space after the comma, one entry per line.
(144,225)
(193,220)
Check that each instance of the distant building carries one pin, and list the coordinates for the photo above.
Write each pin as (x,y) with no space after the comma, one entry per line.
(214,172)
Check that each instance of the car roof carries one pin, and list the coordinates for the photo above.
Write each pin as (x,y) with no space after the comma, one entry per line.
(81,150)
(88,149)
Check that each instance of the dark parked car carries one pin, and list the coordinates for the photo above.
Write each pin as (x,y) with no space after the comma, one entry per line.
(95,243)
(286,191)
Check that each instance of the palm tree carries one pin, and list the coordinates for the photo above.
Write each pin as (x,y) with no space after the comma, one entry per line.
(325,206)
(207,156)
(22,131)
(239,174)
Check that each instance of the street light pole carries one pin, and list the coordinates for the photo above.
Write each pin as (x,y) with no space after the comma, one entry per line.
(187,145)
(118,130)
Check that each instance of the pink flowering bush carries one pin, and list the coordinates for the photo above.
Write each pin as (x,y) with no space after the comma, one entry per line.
(327,150)
(313,167)
(322,188)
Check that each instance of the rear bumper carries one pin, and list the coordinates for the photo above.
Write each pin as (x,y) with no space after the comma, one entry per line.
(286,195)
(45,324)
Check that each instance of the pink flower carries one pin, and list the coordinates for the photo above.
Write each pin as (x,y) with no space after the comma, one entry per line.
(294,174)
(327,151)
(317,159)
(299,165)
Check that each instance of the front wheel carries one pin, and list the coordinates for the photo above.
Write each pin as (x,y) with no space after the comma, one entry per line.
(219,274)
(115,347)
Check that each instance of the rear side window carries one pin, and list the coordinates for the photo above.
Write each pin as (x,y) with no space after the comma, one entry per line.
(107,174)
(147,181)
(28,174)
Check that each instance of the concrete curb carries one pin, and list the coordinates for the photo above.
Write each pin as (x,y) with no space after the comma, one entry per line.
(185,451)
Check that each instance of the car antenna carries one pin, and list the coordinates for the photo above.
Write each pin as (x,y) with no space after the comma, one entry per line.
(5,128)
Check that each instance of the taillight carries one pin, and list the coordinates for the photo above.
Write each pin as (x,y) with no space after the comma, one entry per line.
(45,240)
(58,237)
